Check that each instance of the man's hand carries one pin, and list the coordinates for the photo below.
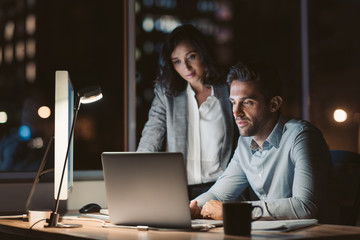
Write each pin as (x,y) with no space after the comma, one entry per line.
(212,209)
(195,210)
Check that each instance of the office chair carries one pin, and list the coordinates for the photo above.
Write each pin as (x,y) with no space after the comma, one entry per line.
(346,166)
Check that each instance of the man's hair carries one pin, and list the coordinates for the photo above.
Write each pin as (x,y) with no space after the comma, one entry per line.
(168,77)
(263,75)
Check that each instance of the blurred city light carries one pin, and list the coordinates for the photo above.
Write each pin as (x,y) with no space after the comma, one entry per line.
(3,117)
(44,112)
(24,133)
(148,24)
(166,23)
(340,115)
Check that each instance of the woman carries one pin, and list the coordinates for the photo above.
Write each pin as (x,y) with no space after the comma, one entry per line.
(191,109)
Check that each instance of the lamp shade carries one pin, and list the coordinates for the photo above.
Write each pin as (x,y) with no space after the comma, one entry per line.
(90,94)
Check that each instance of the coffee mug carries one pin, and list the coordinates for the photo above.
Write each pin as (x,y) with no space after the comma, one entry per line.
(237,218)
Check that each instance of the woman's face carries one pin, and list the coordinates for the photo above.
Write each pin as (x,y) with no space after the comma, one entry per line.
(187,63)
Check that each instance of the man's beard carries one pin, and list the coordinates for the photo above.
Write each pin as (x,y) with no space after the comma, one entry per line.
(250,129)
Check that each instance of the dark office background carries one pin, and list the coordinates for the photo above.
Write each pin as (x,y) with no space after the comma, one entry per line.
(85,37)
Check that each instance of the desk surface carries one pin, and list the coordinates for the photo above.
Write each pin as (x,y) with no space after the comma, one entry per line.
(17,229)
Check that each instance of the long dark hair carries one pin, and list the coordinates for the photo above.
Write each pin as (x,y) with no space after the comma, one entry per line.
(168,77)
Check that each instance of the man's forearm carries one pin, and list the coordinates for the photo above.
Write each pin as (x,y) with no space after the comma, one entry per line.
(285,208)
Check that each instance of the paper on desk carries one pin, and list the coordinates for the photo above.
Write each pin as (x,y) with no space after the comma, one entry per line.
(104,211)
(103,214)
(96,215)
(282,225)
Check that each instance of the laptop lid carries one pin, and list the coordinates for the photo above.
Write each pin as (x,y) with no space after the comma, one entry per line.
(146,189)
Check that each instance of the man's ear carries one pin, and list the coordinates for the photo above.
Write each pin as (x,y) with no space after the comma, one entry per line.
(275,103)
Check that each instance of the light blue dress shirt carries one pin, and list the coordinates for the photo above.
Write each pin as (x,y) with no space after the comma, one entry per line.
(289,174)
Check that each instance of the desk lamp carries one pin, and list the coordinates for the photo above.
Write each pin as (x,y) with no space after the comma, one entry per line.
(85,96)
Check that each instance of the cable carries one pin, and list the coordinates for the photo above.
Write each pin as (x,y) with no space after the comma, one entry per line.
(37,223)
(140,228)
(83,219)
(23,216)
(31,227)
(147,228)
(68,218)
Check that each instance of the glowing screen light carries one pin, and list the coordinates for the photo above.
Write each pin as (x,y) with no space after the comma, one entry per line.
(24,133)
(340,115)
(3,117)
(44,112)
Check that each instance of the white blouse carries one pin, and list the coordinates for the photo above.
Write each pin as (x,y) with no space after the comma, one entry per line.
(206,131)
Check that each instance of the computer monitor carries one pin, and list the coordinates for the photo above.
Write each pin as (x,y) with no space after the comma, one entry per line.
(64,115)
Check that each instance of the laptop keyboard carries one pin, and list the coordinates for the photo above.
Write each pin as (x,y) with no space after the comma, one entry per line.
(206,223)
(195,223)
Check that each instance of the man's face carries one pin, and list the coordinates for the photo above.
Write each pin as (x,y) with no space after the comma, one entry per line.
(251,111)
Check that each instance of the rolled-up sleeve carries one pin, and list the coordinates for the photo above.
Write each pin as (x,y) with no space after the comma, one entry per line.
(289,175)
(229,185)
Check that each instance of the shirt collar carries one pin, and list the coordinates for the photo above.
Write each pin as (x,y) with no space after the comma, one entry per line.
(274,138)
(189,90)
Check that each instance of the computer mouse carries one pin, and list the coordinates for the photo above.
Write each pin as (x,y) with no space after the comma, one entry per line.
(90,208)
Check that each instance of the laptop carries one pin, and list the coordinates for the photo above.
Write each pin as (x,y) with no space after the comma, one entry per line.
(147,189)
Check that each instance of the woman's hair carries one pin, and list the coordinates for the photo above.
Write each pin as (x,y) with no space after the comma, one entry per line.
(263,75)
(168,77)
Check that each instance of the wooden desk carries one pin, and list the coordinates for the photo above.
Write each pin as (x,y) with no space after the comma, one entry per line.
(17,229)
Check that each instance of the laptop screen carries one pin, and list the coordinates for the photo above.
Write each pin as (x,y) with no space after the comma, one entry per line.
(146,189)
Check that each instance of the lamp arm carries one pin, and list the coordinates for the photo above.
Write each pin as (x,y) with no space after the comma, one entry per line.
(54,215)
(38,175)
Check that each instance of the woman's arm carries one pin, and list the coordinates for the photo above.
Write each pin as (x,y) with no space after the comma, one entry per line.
(155,128)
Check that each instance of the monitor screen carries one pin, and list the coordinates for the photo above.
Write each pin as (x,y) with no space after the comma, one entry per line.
(64,114)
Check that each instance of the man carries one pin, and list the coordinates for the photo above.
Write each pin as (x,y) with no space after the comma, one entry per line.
(286,162)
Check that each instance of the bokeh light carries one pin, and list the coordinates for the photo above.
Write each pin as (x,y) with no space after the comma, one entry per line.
(9,30)
(149,47)
(166,23)
(37,143)
(31,24)
(24,133)
(148,3)
(148,24)
(3,117)
(340,115)
(167,4)
(137,54)
(44,112)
